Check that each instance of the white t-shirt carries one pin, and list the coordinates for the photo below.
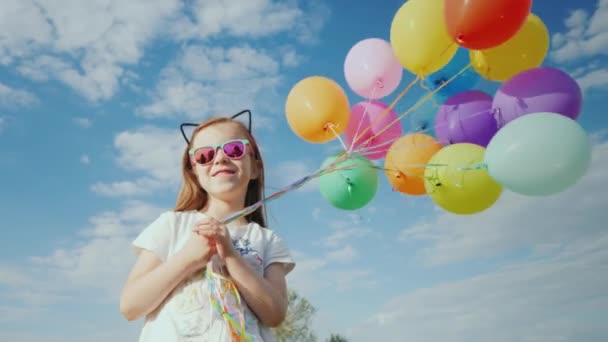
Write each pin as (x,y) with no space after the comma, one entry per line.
(186,314)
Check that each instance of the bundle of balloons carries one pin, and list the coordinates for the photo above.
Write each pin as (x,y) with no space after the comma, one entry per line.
(524,137)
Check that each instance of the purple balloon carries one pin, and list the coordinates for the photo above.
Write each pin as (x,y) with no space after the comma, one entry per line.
(466,118)
(537,90)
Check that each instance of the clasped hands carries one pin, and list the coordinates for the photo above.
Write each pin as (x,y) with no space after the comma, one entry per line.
(218,237)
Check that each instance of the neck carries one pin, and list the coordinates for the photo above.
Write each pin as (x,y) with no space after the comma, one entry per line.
(221,209)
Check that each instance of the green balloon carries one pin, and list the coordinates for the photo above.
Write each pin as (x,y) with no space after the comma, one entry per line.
(539,154)
(351,187)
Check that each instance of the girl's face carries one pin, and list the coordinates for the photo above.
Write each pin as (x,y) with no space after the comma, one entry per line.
(224,161)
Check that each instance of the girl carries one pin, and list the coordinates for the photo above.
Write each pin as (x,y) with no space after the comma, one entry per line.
(222,174)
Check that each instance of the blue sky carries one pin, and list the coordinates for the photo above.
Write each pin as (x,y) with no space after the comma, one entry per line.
(91,98)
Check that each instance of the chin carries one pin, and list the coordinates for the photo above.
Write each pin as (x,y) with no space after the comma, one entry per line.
(226,190)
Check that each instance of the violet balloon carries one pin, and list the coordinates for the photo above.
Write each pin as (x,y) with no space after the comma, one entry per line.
(367,126)
(371,68)
(538,90)
(466,118)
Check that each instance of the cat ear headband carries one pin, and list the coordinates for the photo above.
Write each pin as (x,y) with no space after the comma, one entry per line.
(188,124)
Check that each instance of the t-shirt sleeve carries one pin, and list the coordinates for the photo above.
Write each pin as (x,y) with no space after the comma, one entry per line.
(277,252)
(156,237)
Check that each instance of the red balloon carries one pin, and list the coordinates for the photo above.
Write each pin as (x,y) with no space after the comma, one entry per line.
(483,24)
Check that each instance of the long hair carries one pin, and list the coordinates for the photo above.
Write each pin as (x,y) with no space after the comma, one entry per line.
(193,197)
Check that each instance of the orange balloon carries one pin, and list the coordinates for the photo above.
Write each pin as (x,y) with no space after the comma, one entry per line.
(405,162)
(317,109)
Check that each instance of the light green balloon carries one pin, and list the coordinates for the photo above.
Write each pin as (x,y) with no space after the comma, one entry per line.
(539,154)
(351,188)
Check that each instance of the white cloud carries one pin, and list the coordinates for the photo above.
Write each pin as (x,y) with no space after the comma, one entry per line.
(585,40)
(316,275)
(343,255)
(137,187)
(89,46)
(289,172)
(253,19)
(517,221)
(557,299)
(596,78)
(99,261)
(83,122)
(11,97)
(552,295)
(153,152)
(84,159)
(85,45)
(209,81)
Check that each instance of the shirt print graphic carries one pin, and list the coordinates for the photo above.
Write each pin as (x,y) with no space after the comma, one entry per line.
(243,246)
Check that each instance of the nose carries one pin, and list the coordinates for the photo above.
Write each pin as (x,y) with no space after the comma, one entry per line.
(220,156)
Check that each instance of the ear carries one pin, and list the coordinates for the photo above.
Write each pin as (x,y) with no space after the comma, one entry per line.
(256,168)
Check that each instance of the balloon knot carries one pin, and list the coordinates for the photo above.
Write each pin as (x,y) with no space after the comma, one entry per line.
(379,84)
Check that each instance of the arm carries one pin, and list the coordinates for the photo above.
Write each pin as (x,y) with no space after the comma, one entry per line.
(150,281)
(266,296)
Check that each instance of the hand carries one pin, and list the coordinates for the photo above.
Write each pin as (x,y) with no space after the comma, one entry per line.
(197,251)
(217,232)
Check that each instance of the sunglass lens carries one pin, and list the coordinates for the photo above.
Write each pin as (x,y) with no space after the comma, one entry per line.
(234,149)
(204,155)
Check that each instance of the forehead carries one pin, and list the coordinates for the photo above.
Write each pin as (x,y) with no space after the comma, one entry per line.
(217,134)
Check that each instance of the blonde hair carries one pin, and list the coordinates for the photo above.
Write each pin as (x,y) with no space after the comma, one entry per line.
(193,197)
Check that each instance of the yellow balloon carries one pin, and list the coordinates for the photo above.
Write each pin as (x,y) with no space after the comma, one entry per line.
(460,187)
(419,37)
(526,50)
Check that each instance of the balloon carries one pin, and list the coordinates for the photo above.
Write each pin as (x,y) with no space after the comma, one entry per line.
(421,119)
(419,37)
(351,188)
(464,81)
(483,24)
(317,109)
(538,90)
(368,122)
(539,154)
(461,187)
(371,68)
(405,162)
(466,117)
(526,50)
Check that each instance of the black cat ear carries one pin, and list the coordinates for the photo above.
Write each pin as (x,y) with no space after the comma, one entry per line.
(189,124)
(245,111)
(181,128)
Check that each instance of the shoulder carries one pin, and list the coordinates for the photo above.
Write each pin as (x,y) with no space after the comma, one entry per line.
(262,232)
(275,248)
(170,220)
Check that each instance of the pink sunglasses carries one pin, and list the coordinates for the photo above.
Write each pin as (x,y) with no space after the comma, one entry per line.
(233,149)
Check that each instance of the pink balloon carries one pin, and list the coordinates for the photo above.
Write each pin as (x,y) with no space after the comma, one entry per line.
(369,119)
(371,68)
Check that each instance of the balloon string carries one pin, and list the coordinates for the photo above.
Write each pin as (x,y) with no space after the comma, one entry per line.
(421,101)
(330,126)
(423,86)
(381,146)
(387,110)
(369,102)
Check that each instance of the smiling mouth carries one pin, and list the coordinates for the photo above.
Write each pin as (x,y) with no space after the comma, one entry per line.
(221,172)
